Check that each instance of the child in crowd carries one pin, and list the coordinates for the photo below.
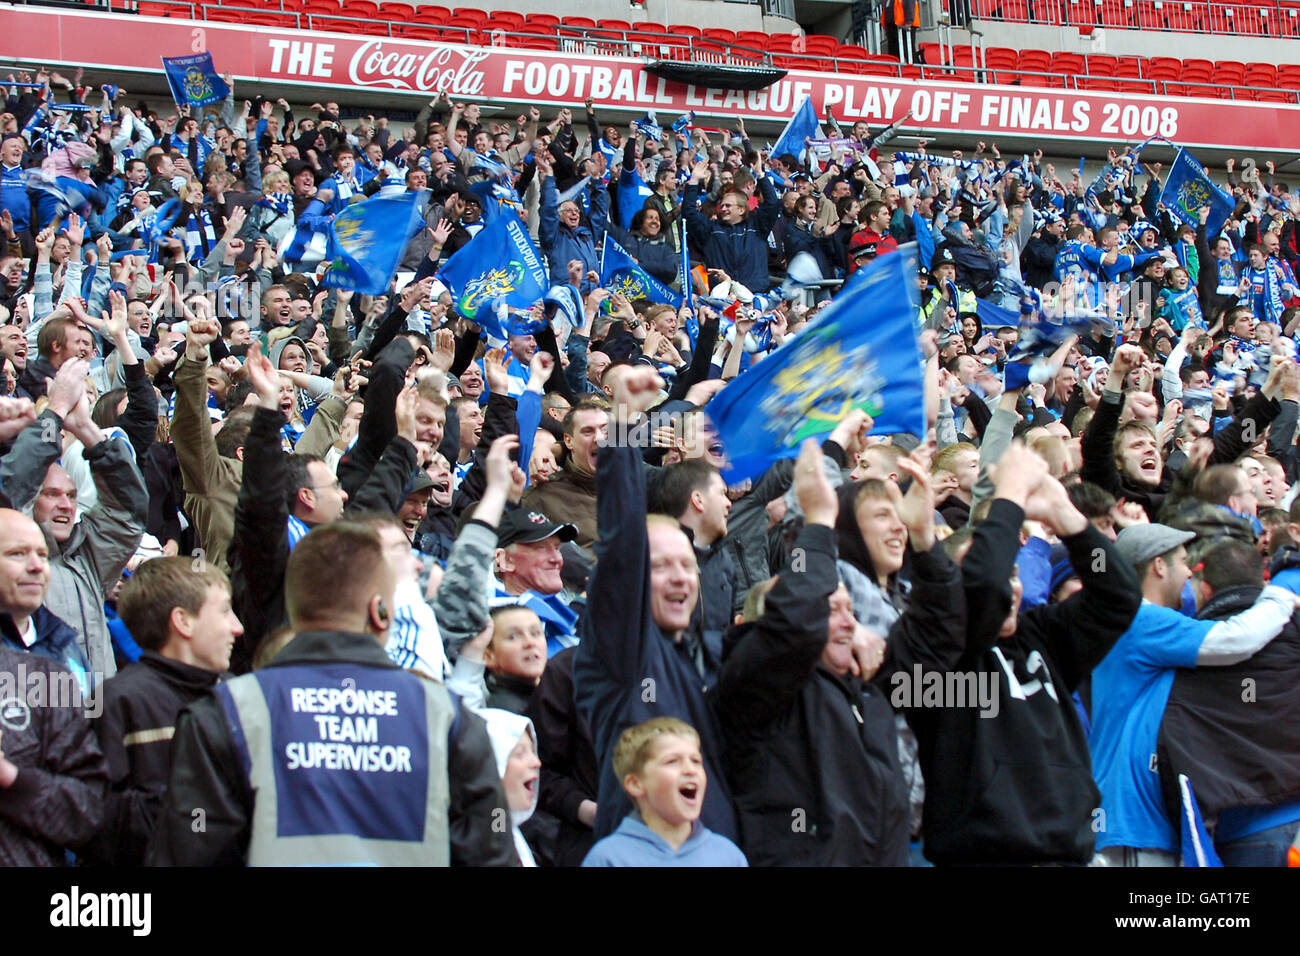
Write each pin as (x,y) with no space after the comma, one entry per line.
(662,770)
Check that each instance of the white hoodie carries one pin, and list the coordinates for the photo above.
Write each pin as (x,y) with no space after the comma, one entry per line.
(505,729)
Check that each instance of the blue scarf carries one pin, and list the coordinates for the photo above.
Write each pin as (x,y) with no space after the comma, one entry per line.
(1265,295)
(280,203)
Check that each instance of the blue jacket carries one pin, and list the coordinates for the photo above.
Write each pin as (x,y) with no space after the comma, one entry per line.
(562,244)
(739,250)
(635,844)
(626,670)
(55,640)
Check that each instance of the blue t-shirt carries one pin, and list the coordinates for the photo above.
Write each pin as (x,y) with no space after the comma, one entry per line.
(1130,688)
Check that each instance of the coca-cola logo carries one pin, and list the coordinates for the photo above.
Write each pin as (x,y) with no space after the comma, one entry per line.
(442,70)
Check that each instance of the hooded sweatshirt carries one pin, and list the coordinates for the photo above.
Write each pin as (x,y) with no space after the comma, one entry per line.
(635,844)
(505,731)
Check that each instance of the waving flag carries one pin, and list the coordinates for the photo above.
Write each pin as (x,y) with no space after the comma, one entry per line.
(861,352)
(368,238)
(633,191)
(1198,847)
(1188,189)
(618,273)
(499,264)
(803,125)
(194,81)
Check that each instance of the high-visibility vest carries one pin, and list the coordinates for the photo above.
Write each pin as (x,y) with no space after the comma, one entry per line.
(347,764)
(899,11)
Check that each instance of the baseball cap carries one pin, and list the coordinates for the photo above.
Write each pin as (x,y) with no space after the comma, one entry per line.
(422,483)
(527,526)
(1140,543)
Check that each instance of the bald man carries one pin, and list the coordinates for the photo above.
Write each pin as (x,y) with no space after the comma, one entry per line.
(25,623)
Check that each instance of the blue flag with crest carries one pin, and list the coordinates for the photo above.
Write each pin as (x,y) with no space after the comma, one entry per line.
(618,273)
(366,243)
(1188,189)
(500,264)
(194,81)
(860,352)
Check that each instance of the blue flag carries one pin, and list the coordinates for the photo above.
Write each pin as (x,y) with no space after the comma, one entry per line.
(194,80)
(499,264)
(860,352)
(803,125)
(1188,189)
(618,273)
(367,243)
(633,191)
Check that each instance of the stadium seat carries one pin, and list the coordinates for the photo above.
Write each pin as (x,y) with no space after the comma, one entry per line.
(1129,66)
(1288,77)
(1102,83)
(621,26)
(752,38)
(651,26)
(433,15)
(1099,64)
(417,31)
(1260,74)
(544,22)
(909,71)
(818,45)
(1196,71)
(1069,64)
(1162,68)
(397,12)
(781,42)
(931,55)
(717,34)
(506,20)
(1014,10)
(1035,61)
(1150,16)
(362,9)
(685,30)
(324,7)
(1229,72)
(470,13)
(579,23)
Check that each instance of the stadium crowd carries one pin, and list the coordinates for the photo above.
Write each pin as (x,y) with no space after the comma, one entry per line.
(315,577)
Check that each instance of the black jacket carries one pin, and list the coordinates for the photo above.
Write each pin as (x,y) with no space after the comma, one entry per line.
(627,670)
(1017,788)
(259,547)
(1099,441)
(1038,259)
(206,773)
(813,757)
(56,802)
(569,773)
(1238,750)
(135,732)
(740,250)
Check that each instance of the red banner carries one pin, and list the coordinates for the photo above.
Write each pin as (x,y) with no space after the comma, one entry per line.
(32,35)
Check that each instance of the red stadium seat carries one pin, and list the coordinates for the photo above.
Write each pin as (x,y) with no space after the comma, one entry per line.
(1229,72)
(362,9)
(909,71)
(1162,68)
(1035,61)
(1103,83)
(579,23)
(397,12)
(651,26)
(817,45)
(1275,96)
(1070,64)
(622,26)
(506,20)
(417,31)
(471,13)
(532,42)
(1130,66)
(1260,74)
(1099,64)
(1289,13)
(1196,70)
(429,14)
(1288,77)
(1151,18)
(931,55)
(1123,85)
(781,42)
(544,22)
(685,30)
